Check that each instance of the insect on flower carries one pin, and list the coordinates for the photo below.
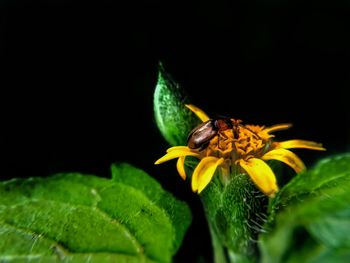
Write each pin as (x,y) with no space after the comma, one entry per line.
(225,143)
(201,135)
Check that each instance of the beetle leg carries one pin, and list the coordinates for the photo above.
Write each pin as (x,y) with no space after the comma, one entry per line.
(224,136)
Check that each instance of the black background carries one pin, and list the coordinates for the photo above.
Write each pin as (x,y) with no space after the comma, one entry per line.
(77,80)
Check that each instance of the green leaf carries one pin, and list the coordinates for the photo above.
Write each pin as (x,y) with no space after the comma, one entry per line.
(177,211)
(310,216)
(173,119)
(80,218)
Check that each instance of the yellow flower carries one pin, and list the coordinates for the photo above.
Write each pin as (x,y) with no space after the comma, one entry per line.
(224,144)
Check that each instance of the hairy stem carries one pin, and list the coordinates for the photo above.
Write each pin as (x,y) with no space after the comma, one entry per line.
(235,212)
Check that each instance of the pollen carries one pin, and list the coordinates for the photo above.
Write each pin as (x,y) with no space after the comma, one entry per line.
(240,142)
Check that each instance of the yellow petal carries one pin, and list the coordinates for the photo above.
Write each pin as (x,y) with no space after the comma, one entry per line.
(200,114)
(278,127)
(261,174)
(287,157)
(299,144)
(204,172)
(176,154)
(180,165)
(184,148)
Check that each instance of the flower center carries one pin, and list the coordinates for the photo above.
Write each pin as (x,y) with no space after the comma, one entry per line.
(240,142)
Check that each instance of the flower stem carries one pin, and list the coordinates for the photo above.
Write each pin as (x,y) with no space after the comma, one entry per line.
(235,212)
(219,253)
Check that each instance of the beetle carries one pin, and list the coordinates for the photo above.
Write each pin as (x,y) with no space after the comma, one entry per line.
(200,136)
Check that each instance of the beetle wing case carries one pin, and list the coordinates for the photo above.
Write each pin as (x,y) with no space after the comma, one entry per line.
(202,134)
